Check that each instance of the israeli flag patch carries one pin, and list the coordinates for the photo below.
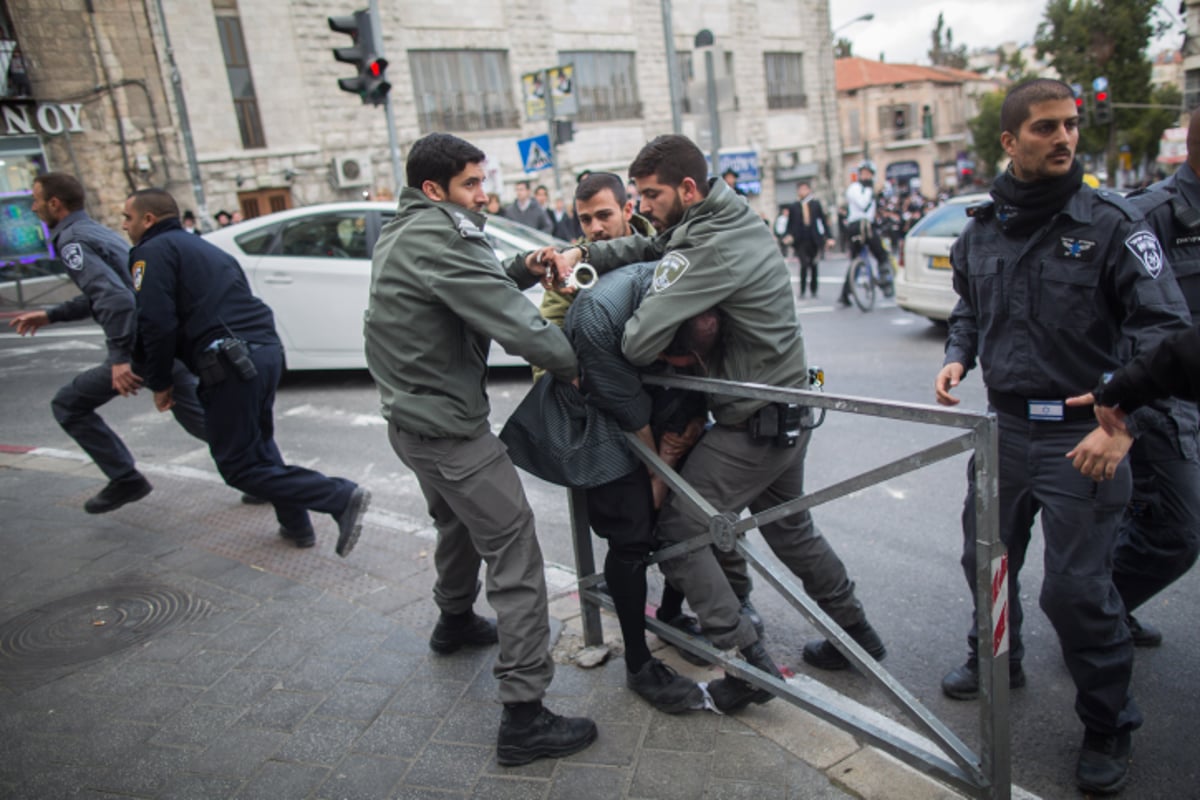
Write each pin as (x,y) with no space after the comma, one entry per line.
(72,256)
(1145,246)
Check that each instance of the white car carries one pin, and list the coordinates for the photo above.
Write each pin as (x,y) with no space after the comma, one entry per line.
(312,266)
(924,280)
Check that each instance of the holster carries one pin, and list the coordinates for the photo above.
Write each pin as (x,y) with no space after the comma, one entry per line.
(209,368)
(778,423)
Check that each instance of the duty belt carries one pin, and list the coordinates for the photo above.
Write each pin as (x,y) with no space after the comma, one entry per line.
(1038,409)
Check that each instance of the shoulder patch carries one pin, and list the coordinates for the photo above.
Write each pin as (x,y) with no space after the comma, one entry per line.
(1145,246)
(137,272)
(669,269)
(72,256)
(466,228)
(1131,212)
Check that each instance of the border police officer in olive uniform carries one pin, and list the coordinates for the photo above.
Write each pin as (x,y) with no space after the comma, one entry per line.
(194,303)
(96,259)
(1052,279)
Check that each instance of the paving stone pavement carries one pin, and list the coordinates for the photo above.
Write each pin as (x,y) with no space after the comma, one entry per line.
(177,648)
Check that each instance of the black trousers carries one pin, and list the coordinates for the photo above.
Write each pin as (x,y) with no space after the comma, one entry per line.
(241,437)
(75,405)
(806,252)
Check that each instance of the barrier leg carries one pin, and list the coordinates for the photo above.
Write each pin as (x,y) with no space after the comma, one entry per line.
(585,565)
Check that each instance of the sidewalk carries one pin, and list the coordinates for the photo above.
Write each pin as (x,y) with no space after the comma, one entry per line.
(177,648)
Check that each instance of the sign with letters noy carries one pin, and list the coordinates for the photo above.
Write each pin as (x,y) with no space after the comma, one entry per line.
(26,119)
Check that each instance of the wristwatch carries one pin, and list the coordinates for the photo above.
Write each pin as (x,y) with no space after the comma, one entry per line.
(584,253)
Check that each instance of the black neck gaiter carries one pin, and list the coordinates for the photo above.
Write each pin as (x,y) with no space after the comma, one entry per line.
(1022,207)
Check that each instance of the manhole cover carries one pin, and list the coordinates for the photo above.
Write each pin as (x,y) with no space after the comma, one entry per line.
(45,643)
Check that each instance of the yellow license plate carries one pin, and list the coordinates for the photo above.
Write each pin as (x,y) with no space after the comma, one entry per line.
(939,262)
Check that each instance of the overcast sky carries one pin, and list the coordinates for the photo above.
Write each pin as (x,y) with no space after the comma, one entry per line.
(902,31)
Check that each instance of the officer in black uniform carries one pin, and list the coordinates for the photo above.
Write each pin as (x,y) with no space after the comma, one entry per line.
(96,259)
(1052,279)
(1160,536)
(194,303)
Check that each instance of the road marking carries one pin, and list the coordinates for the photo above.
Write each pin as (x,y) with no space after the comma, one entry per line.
(45,334)
(45,348)
(309,411)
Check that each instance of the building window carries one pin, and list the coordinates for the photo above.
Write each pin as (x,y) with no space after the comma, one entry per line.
(785,80)
(1191,89)
(606,84)
(462,90)
(241,83)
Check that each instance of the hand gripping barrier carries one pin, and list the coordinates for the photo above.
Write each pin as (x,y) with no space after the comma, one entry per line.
(986,775)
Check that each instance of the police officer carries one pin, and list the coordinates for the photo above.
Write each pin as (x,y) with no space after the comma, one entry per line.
(1171,369)
(96,259)
(1160,535)
(738,463)
(438,297)
(194,303)
(1051,278)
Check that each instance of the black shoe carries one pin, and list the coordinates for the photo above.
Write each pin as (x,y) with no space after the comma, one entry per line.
(117,494)
(733,694)
(301,538)
(1103,764)
(823,655)
(691,626)
(751,613)
(469,631)
(254,500)
(349,522)
(844,301)
(547,736)
(664,688)
(1144,634)
(962,683)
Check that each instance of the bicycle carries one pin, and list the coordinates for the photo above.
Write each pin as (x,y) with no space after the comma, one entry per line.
(863,275)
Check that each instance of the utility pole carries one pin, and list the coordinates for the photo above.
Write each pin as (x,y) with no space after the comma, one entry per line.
(673,78)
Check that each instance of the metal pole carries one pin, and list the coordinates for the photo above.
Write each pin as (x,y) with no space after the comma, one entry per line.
(714,115)
(828,64)
(585,565)
(185,126)
(550,131)
(393,139)
(673,77)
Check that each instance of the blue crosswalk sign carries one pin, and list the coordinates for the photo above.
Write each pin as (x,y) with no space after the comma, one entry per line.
(535,153)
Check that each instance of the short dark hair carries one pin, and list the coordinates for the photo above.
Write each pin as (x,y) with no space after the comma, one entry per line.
(438,157)
(1017,102)
(699,335)
(597,182)
(671,158)
(158,202)
(541,187)
(522,183)
(66,188)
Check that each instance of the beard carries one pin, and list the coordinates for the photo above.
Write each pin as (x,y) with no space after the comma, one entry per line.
(674,214)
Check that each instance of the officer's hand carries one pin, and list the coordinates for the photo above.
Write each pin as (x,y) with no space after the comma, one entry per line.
(165,400)
(947,378)
(28,323)
(536,261)
(1099,454)
(561,265)
(1111,419)
(124,381)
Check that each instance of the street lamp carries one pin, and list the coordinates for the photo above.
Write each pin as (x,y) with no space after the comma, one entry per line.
(863,18)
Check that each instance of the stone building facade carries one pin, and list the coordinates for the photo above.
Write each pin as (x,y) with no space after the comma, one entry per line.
(234,104)
(909,120)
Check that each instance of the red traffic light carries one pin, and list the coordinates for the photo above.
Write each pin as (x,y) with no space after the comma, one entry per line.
(1079,102)
(1101,97)
(377,67)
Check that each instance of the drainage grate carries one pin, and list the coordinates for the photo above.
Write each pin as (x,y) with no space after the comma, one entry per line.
(45,643)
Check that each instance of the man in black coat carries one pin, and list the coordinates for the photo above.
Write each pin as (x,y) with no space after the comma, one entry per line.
(809,231)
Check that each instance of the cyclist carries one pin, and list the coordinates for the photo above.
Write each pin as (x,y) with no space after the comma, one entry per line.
(860,217)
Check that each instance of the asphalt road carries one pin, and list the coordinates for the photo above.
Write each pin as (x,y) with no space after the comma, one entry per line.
(901,540)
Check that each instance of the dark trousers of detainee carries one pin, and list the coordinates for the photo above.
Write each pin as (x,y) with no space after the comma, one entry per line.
(240,419)
(1159,538)
(733,471)
(75,405)
(1079,522)
(482,516)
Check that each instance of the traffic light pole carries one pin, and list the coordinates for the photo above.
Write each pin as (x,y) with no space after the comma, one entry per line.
(393,139)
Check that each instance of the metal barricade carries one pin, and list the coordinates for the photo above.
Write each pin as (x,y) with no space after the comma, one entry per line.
(986,775)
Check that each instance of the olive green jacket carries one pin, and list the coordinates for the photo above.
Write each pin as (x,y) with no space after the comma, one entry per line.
(438,298)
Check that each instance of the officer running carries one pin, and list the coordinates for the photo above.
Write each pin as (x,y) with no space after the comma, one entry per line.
(97,261)
(1052,277)
(194,304)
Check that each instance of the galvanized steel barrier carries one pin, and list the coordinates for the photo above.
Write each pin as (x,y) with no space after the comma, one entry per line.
(986,775)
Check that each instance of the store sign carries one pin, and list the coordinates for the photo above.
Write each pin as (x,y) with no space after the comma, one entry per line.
(49,118)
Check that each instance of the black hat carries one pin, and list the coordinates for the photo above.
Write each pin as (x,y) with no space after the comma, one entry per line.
(222,213)
(188,215)
(730,171)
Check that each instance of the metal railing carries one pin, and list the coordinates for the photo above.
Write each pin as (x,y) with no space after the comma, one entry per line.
(983,775)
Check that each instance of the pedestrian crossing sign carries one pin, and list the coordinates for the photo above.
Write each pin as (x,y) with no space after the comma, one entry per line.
(535,153)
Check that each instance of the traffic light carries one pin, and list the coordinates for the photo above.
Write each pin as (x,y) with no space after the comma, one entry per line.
(371,82)
(1104,109)
(1080,104)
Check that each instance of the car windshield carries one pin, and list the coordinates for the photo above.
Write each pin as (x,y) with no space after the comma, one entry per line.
(949,220)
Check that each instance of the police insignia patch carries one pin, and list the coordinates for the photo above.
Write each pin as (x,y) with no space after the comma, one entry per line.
(137,272)
(669,270)
(1080,249)
(466,228)
(1144,245)
(72,256)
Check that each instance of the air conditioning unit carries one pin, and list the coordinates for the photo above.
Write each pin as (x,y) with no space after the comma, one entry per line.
(351,171)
